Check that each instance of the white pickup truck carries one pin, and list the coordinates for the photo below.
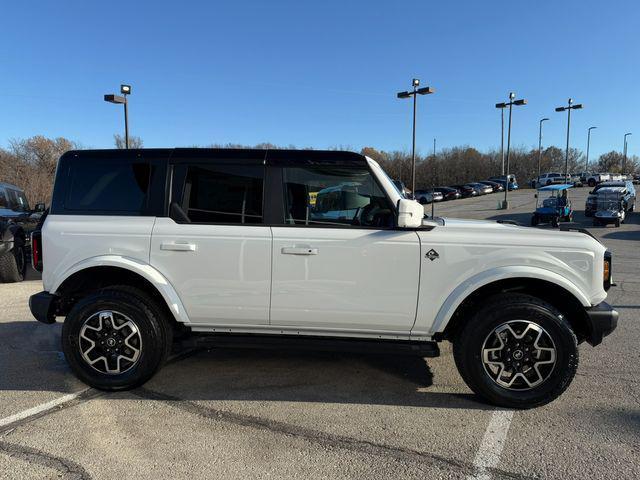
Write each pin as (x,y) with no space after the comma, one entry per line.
(304,249)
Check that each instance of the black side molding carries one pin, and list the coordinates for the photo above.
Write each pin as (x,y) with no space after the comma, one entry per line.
(303,343)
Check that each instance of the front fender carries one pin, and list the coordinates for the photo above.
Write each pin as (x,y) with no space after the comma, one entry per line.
(466,288)
(136,266)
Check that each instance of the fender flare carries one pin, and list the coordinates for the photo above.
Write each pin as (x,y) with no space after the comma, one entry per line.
(149,273)
(466,288)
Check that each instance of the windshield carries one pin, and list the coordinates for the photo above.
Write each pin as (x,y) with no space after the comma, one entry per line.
(17,201)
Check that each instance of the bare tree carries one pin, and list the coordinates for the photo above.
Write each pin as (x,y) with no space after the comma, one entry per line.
(134,142)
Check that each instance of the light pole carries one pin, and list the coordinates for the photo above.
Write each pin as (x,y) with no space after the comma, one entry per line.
(509,104)
(434,147)
(624,164)
(502,106)
(586,163)
(111,98)
(540,147)
(568,108)
(414,93)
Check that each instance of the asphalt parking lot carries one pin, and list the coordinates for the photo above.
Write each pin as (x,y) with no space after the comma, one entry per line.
(243,414)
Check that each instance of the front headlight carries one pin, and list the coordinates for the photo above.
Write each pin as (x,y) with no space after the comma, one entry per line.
(606,273)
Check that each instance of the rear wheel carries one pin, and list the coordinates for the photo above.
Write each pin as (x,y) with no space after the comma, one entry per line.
(591,182)
(517,352)
(116,339)
(13,264)
(555,221)
(534,220)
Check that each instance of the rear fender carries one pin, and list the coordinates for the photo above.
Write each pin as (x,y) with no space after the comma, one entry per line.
(145,270)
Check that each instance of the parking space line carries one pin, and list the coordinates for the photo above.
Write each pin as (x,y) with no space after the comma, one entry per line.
(488,455)
(39,409)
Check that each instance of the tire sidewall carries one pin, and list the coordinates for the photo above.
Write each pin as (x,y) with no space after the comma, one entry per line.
(566,355)
(152,350)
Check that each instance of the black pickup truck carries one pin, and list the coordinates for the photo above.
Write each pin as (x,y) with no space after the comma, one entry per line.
(17,221)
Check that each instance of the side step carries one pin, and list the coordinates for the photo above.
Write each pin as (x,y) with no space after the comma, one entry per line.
(295,343)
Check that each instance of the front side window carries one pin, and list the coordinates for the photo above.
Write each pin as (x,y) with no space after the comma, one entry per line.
(334,196)
(223,194)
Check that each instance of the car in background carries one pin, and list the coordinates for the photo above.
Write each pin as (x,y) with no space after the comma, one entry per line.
(481,188)
(497,187)
(544,179)
(448,193)
(512,184)
(595,178)
(17,221)
(576,180)
(627,192)
(466,191)
(427,196)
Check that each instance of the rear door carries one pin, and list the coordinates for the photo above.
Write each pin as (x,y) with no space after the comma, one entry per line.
(214,247)
(338,263)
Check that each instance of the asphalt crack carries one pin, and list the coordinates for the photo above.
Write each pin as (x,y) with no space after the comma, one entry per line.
(66,468)
(323,438)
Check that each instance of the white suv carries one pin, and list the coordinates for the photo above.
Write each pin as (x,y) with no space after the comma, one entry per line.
(304,248)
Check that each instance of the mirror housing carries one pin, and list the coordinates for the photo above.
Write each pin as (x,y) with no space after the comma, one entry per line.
(410,213)
(40,207)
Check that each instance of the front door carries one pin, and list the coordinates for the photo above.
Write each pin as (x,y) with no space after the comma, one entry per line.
(214,248)
(338,263)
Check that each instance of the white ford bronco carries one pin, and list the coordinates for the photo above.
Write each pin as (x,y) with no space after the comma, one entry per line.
(304,249)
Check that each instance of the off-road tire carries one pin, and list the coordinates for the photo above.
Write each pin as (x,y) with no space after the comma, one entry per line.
(153,326)
(497,310)
(13,265)
(591,183)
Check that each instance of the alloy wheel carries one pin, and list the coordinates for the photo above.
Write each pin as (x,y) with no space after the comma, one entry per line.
(519,355)
(110,342)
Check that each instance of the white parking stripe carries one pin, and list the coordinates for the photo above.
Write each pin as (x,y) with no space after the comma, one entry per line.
(40,408)
(488,455)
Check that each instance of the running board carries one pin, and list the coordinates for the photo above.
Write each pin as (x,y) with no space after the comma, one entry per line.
(296,343)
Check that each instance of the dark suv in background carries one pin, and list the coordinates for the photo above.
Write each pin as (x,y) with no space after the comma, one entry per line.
(17,221)
(628,196)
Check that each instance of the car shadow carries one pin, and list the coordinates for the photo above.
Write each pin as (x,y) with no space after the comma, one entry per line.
(32,361)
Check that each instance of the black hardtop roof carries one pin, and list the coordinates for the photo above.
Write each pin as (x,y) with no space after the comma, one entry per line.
(247,155)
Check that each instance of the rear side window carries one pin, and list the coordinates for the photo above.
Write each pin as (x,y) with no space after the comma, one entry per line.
(107,187)
(3,200)
(223,194)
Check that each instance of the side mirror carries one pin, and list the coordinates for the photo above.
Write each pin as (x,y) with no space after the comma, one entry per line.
(40,207)
(410,213)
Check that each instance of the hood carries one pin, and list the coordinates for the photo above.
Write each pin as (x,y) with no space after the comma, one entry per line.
(490,232)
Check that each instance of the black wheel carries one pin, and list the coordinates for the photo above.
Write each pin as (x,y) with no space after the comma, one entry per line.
(591,182)
(116,339)
(617,222)
(555,221)
(534,220)
(517,352)
(13,264)
(423,201)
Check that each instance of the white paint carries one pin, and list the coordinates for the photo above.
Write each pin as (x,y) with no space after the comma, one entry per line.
(488,455)
(40,408)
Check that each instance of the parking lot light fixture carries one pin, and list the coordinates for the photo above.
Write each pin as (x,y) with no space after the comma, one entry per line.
(540,145)
(624,163)
(502,106)
(570,106)
(512,101)
(122,99)
(414,93)
(586,163)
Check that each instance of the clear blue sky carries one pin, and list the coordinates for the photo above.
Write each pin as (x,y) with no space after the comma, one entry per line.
(319,73)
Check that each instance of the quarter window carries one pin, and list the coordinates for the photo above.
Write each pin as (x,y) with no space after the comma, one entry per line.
(223,194)
(334,196)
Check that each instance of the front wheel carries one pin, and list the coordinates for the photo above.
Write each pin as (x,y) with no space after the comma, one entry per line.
(116,339)
(517,352)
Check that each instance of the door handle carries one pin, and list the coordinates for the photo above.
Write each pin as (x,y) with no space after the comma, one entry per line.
(178,247)
(299,251)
